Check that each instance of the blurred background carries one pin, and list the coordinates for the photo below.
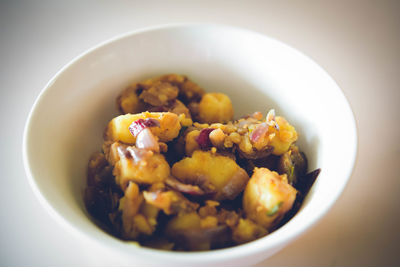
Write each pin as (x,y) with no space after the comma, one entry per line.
(356,42)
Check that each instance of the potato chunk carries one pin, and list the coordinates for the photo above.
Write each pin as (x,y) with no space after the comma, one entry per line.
(191,232)
(207,169)
(247,231)
(128,101)
(129,206)
(283,137)
(215,107)
(118,128)
(191,143)
(140,166)
(138,217)
(267,197)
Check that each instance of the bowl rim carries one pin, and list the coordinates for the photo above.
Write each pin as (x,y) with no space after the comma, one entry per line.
(251,248)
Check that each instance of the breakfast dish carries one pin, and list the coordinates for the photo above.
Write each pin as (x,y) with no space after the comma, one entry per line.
(177,172)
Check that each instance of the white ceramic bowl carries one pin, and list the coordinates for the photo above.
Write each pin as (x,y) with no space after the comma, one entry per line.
(67,121)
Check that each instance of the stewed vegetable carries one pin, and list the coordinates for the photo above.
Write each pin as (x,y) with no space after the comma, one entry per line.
(177,172)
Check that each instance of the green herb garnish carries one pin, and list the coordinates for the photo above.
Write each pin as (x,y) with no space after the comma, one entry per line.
(275,209)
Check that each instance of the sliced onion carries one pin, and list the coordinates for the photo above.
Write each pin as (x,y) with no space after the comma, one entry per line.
(259,132)
(146,140)
(184,188)
(139,125)
(131,152)
(139,154)
(270,119)
(270,115)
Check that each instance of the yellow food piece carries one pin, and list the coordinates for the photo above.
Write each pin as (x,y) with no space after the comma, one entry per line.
(118,128)
(184,120)
(247,231)
(129,102)
(142,225)
(150,212)
(267,197)
(184,221)
(131,200)
(245,145)
(129,206)
(215,107)
(191,143)
(282,139)
(209,209)
(208,222)
(150,170)
(222,172)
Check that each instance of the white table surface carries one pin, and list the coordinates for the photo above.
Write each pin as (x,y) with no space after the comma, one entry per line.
(357,42)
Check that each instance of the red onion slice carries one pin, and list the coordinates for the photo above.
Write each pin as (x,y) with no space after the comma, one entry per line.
(259,132)
(204,138)
(146,140)
(270,119)
(134,153)
(139,125)
(184,188)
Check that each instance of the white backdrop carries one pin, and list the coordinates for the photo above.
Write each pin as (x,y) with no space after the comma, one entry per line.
(356,42)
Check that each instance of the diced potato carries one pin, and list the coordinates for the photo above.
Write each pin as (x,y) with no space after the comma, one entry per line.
(118,128)
(150,212)
(221,172)
(215,107)
(186,231)
(208,222)
(152,168)
(283,138)
(267,197)
(129,206)
(142,225)
(184,221)
(191,143)
(128,101)
(247,231)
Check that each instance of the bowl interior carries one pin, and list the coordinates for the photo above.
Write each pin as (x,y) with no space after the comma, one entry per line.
(258,73)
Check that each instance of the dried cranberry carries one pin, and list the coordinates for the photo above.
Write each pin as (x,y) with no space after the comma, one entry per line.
(137,126)
(204,138)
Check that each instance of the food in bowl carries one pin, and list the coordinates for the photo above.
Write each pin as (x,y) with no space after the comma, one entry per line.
(177,172)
